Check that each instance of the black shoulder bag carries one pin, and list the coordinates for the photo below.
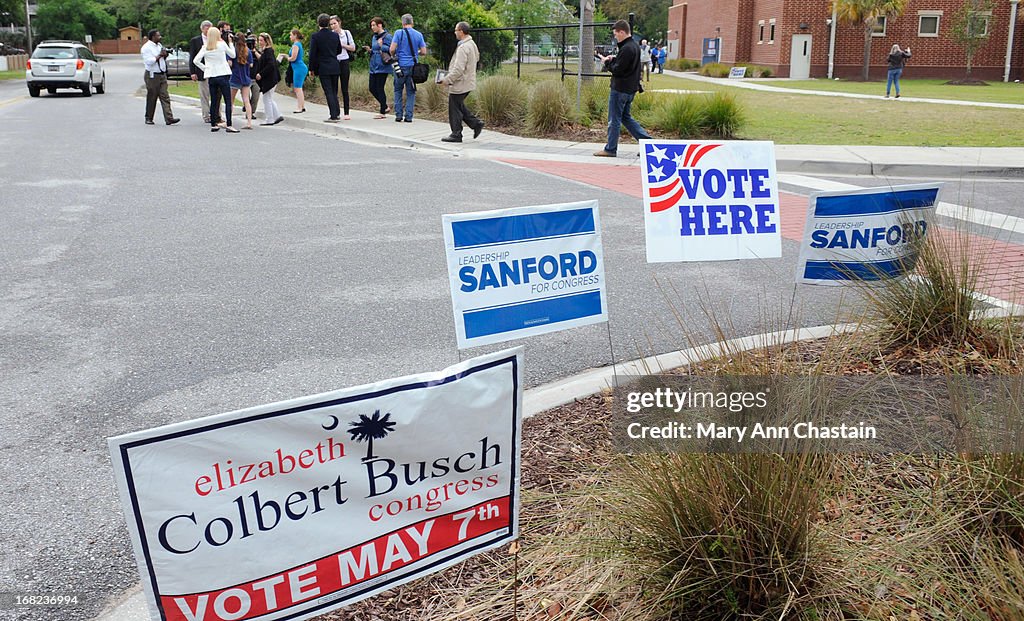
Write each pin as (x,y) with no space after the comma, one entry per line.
(420,71)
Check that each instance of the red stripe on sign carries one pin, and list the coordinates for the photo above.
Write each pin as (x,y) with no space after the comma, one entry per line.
(703,151)
(665,189)
(669,202)
(689,153)
(330,574)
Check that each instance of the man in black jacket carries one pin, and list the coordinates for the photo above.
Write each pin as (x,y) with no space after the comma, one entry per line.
(194,45)
(324,47)
(625,69)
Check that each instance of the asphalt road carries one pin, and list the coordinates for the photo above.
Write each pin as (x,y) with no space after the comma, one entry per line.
(152,274)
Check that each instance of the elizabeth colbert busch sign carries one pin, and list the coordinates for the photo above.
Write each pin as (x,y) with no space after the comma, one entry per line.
(524,271)
(873,234)
(710,201)
(288,510)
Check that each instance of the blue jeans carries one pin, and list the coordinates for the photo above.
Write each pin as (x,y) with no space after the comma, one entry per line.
(618,115)
(894,78)
(405,83)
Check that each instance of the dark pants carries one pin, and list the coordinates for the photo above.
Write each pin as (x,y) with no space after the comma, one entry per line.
(458,114)
(330,85)
(254,96)
(377,83)
(156,88)
(220,87)
(345,72)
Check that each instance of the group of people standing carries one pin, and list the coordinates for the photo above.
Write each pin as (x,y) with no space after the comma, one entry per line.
(652,58)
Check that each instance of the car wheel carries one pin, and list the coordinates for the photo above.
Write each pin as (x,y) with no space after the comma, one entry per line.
(51,91)
(102,86)
(87,89)
(33,91)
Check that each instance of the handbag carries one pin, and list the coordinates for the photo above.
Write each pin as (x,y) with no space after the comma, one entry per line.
(420,71)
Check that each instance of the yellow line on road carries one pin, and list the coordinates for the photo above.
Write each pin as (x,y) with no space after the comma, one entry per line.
(8,102)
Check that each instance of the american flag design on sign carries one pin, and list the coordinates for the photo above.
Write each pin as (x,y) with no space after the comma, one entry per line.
(663,163)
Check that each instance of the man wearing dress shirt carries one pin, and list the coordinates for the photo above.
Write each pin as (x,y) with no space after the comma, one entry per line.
(154,56)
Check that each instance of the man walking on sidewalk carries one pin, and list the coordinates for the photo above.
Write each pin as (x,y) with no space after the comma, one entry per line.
(324,47)
(625,69)
(195,44)
(154,57)
(461,81)
(406,46)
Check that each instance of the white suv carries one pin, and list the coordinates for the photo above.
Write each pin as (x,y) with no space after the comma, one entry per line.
(64,64)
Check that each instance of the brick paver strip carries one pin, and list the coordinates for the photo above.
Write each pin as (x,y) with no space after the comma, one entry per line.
(1002,271)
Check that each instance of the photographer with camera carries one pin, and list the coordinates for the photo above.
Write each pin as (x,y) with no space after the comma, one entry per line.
(154,57)
(406,47)
(380,66)
(254,48)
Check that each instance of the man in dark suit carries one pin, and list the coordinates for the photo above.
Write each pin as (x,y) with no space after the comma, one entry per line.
(324,47)
(195,44)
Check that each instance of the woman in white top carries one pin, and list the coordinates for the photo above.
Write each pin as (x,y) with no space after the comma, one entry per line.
(213,61)
(347,46)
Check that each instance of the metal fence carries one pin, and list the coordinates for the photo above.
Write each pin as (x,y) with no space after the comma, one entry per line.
(550,49)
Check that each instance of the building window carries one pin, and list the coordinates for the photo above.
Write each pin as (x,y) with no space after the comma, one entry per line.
(979,24)
(760,32)
(879,29)
(928,23)
(771,31)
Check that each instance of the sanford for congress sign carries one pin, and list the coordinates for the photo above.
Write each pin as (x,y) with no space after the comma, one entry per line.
(710,201)
(288,510)
(524,271)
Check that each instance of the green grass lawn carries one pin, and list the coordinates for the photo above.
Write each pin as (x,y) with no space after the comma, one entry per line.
(995,92)
(188,88)
(811,119)
(17,74)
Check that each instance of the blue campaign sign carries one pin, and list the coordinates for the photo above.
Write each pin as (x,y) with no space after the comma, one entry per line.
(873,234)
(525,271)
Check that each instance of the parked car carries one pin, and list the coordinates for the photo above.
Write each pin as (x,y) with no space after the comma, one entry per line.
(64,64)
(8,50)
(177,64)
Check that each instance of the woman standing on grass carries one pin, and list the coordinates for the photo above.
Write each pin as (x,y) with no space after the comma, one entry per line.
(379,69)
(212,60)
(347,46)
(897,60)
(267,76)
(240,79)
(299,69)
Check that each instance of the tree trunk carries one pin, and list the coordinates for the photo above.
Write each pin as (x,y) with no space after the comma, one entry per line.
(868,28)
(970,61)
(587,44)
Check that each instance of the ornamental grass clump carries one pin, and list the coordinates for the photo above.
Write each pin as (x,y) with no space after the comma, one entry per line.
(550,107)
(434,97)
(715,70)
(725,536)
(723,115)
(501,100)
(681,117)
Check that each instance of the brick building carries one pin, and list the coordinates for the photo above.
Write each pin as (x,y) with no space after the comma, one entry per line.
(793,38)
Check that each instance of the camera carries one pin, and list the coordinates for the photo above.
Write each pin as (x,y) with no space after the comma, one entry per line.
(227,36)
(398,69)
(250,39)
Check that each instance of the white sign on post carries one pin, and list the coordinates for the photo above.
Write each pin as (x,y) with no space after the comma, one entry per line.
(524,271)
(710,201)
(289,510)
(872,234)
(737,72)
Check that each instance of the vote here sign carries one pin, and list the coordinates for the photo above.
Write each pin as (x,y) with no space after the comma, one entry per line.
(525,271)
(872,234)
(710,201)
(289,510)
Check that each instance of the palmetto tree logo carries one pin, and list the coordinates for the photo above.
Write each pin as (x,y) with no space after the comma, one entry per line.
(370,428)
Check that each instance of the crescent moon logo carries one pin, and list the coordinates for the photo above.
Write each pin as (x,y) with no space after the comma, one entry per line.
(333,425)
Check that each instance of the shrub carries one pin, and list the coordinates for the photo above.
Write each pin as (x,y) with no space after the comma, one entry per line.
(715,70)
(501,100)
(434,97)
(681,64)
(681,116)
(494,46)
(550,107)
(722,115)
(359,89)
(595,100)
(725,536)
(757,71)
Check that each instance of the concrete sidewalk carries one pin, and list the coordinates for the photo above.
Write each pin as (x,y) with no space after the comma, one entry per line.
(754,84)
(425,134)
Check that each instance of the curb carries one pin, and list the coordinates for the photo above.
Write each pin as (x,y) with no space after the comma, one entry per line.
(131,605)
(340,130)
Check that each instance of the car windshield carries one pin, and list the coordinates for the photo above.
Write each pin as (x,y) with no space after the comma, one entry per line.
(54,52)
